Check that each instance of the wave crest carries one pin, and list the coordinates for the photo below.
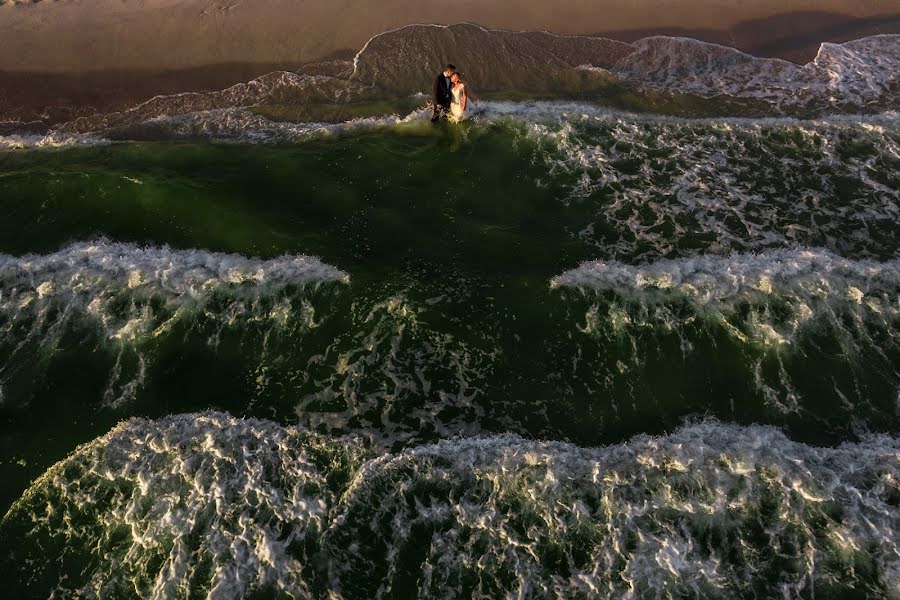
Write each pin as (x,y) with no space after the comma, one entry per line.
(122,296)
(782,309)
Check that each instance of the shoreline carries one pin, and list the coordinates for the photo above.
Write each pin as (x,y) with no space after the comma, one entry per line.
(35,99)
(160,35)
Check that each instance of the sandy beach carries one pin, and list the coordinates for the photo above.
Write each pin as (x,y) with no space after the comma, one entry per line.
(65,58)
(97,35)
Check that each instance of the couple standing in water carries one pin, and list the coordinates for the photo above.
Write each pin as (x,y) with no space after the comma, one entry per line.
(450,96)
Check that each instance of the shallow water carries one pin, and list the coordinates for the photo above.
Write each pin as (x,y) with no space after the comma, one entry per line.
(703,313)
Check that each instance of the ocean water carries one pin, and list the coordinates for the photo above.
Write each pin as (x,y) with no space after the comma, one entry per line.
(293,340)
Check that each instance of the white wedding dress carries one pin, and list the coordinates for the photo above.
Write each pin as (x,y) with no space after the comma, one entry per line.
(457,113)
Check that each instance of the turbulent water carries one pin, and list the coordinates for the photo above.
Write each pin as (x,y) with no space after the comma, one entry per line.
(290,339)
(206,503)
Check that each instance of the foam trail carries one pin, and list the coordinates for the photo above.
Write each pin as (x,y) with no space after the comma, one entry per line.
(396,378)
(230,506)
(659,186)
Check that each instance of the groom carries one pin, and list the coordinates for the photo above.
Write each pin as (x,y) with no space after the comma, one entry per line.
(442,94)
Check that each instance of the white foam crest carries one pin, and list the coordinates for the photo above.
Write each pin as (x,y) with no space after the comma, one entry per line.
(92,267)
(707,279)
(50,140)
(131,295)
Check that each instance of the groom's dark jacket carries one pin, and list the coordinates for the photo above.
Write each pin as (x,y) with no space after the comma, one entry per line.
(441,91)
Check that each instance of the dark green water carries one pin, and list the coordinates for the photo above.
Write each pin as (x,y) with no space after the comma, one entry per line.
(749,275)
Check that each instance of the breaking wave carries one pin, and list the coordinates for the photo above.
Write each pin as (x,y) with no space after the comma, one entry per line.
(207,504)
(783,310)
(122,296)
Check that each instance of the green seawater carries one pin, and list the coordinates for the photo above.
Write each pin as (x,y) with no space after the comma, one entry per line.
(464,314)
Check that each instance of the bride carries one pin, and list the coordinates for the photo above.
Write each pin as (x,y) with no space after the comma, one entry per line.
(459,100)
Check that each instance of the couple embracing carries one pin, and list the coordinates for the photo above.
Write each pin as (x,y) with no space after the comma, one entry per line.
(450,96)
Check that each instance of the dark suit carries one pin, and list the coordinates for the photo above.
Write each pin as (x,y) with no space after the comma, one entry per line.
(442,95)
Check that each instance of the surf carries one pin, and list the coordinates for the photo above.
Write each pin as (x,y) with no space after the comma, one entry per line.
(215,504)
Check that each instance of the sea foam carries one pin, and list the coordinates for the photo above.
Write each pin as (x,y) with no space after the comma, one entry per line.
(226,506)
(856,73)
(781,308)
(124,296)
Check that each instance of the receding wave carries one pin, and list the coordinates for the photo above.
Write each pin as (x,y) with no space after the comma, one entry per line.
(123,296)
(277,88)
(208,504)
(853,75)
